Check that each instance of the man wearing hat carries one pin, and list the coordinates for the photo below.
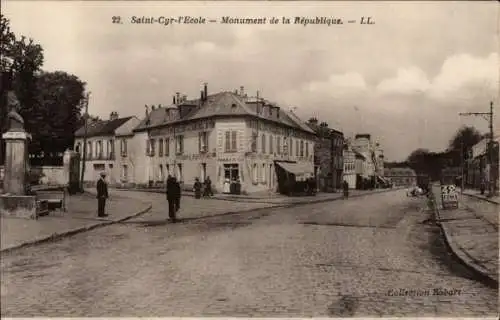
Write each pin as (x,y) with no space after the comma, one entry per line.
(102,195)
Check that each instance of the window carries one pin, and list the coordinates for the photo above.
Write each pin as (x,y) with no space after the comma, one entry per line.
(124,172)
(278,145)
(255,174)
(263,144)
(123,147)
(301,148)
(99,149)
(203,175)
(111,148)
(263,173)
(179,171)
(297,149)
(167,147)
(167,170)
(150,147)
(89,149)
(271,147)
(203,142)
(307,149)
(231,143)
(179,146)
(253,146)
(160,148)
(160,171)
(77,148)
(234,145)
(231,171)
(290,146)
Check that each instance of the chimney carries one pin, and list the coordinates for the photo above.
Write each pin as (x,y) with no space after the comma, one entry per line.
(147,110)
(159,105)
(173,99)
(205,90)
(113,115)
(184,98)
(202,98)
(258,103)
(178,97)
(242,91)
(152,107)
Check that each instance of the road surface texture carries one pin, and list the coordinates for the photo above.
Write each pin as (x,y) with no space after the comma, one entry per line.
(369,256)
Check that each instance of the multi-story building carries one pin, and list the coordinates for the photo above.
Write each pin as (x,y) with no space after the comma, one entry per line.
(477,166)
(226,136)
(103,138)
(349,158)
(374,159)
(401,177)
(328,155)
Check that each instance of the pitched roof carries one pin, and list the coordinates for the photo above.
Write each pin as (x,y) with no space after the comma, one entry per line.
(220,104)
(102,127)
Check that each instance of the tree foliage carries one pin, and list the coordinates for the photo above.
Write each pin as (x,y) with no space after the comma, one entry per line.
(51,102)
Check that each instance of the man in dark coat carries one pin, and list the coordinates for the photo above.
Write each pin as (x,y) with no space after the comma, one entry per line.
(197,188)
(207,192)
(345,187)
(173,197)
(102,195)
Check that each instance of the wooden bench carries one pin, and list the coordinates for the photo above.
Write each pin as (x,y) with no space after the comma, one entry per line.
(55,198)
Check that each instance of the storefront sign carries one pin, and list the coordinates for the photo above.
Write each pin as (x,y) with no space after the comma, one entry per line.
(449,196)
(230,159)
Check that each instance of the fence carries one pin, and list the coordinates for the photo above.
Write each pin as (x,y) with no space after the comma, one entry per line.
(47,175)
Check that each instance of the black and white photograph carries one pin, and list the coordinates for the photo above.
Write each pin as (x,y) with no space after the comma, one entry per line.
(294,159)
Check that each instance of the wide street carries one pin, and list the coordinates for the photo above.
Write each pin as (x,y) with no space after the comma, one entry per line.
(351,257)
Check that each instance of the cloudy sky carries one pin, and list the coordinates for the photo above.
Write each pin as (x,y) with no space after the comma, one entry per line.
(403,79)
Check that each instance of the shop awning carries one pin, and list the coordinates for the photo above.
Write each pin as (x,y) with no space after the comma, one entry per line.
(298,169)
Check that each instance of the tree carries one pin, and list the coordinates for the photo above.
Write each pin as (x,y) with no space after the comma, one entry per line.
(58,106)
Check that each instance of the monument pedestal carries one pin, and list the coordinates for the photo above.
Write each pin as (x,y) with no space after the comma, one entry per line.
(71,160)
(14,201)
(16,162)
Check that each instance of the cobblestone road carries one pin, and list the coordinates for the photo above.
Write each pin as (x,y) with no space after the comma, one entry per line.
(344,258)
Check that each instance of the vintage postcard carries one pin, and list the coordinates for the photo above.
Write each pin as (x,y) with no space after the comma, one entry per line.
(249,159)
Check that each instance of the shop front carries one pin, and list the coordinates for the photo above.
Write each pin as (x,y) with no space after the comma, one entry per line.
(295,178)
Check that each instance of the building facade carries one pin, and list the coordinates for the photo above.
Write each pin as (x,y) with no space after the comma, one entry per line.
(349,159)
(226,136)
(478,168)
(401,177)
(103,139)
(328,155)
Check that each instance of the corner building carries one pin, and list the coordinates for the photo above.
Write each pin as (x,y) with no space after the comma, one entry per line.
(226,135)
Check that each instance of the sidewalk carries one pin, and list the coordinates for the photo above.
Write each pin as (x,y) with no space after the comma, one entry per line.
(471,232)
(80,216)
(477,194)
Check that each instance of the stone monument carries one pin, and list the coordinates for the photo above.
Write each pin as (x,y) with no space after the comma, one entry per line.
(16,150)
(15,201)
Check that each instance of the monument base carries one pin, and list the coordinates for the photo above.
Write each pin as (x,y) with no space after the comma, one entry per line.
(20,206)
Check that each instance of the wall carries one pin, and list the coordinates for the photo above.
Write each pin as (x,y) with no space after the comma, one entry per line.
(52,175)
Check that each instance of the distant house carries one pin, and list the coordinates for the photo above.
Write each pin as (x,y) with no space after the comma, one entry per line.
(401,176)
(328,155)
(478,168)
(103,139)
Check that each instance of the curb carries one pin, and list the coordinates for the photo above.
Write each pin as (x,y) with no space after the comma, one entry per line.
(481,198)
(279,204)
(58,236)
(461,256)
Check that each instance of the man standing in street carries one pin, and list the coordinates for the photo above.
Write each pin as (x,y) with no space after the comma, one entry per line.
(102,195)
(345,187)
(173,197)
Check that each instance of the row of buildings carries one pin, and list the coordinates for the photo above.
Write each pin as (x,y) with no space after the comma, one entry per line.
(227,136)
(477,167)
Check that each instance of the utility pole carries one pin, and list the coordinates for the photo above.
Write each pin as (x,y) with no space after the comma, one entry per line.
(489,117)
(84,155)
(462,165)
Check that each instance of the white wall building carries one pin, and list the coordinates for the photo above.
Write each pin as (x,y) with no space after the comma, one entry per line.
(103,139)
(226,135)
